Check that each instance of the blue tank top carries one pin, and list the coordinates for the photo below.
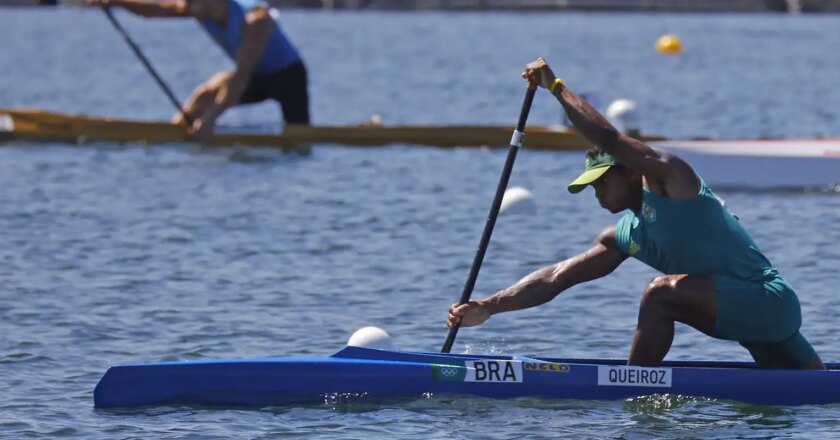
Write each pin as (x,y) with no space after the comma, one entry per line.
(696,236)
(278,53)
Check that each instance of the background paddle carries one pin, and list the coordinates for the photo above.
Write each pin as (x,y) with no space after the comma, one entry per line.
(146,63)
(515,143)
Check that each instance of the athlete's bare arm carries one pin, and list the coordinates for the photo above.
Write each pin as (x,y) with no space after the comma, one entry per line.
(665,173)
(545,284)
(147,8)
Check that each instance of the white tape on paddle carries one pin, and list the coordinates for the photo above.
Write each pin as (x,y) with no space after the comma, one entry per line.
(517,137)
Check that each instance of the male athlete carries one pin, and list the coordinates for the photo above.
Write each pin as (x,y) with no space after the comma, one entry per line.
(268,66)
(715,277)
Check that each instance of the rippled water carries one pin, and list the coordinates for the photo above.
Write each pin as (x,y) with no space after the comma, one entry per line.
(116,254)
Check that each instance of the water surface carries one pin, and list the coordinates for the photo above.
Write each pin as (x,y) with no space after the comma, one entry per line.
(122,254)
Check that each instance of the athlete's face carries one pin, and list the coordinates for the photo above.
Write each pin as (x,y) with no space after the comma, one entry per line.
(614,189)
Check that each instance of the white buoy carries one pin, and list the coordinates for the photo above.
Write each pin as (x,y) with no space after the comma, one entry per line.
(371,337)
(517,199)
(622,113)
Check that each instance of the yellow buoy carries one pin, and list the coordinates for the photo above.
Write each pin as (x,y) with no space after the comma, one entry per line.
(669,44)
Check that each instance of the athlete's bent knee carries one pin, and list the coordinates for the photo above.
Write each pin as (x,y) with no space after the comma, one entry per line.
(658,290)
(656,296)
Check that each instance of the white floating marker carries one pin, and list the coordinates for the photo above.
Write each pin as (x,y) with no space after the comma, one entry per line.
(517,199)
(622,114)
(371,337)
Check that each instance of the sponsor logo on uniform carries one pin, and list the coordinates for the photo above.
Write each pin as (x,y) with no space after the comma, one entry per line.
(634,376)
(480,371)
(648,213)
(546,366)
(634,247)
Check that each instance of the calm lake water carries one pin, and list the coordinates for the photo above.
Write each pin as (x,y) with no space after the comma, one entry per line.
(122,254)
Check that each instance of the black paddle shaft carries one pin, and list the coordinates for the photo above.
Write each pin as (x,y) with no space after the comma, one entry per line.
(515,143)
(146,63)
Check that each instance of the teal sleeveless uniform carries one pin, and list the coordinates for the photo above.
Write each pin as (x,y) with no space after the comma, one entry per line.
(699,236)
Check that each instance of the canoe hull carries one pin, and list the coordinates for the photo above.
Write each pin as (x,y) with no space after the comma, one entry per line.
(760,164)
(722,163)
(41,125)
(387,374)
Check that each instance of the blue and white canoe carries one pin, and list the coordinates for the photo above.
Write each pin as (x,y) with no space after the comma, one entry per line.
(376,373)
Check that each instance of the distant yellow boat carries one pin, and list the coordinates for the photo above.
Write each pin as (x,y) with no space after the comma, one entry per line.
(41,125)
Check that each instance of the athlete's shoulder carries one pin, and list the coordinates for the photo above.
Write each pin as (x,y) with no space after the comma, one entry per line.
(681,181)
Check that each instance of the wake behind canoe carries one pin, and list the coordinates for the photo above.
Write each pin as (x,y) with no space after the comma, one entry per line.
(395,374)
